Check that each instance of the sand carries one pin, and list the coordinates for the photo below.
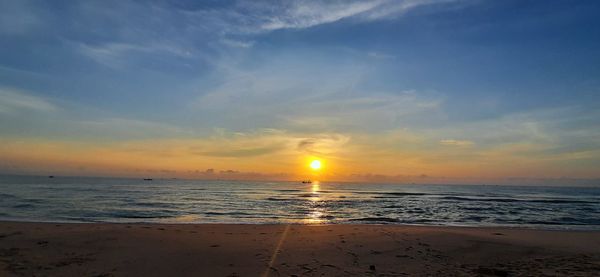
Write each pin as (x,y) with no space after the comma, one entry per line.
(50,249)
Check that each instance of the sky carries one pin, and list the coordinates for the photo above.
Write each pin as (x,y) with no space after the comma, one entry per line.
(413,91)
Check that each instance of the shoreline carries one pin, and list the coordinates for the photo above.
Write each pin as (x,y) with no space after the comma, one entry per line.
(557,228)
(188,249)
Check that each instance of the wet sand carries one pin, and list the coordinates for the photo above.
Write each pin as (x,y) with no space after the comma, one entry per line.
(49,249)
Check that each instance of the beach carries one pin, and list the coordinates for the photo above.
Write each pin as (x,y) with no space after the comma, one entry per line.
(106,249)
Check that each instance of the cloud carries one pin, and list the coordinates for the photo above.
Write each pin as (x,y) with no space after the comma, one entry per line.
(115,54)
(18,17)
(395,8)
(121,128)
(322,145)
(243,152)
(325,96)
(188,33)
(309,13)
(304,14)
(13,101)
(454,142)
(394,156)
(238,43)
(554,131)
(380,56)
(267,143)
(21,112)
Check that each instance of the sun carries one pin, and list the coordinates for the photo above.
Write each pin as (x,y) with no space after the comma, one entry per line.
(315,164)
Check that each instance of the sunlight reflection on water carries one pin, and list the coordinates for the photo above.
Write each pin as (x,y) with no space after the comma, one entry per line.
(316,215)
(76,199)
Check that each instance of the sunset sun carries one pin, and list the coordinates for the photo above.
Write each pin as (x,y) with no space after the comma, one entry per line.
(315,164)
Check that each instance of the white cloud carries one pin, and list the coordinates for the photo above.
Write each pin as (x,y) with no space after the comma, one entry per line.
(238,43)
(310,13)
(454,142)
(304,14)
(12,101)
(202,33)
(265,16)
(112,54)
(380,56)
(320,97)
(20,111)
(395,8)
(122,128)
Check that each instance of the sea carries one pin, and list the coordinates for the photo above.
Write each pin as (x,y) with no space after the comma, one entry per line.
(124,200)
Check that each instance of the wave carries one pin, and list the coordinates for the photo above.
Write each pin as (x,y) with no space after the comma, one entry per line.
(561,201)
(307,195)
(404,193)
(226,213)
(23,206)
(475,218)
(278,199)
(376,219)
(459,198)
(155,204)
(34,200)
(393,220)
(97,215)
(508,200)
(392,194)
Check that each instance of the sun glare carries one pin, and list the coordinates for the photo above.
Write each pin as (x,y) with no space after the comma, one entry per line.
(315,164)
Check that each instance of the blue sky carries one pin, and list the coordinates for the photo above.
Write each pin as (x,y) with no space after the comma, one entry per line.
(499,88)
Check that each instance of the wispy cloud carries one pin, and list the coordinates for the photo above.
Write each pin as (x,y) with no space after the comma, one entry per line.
(238,43)
(395,8)
(18,17)
(13,101)
(243,152)
(454,142)
(304,14)
(116,54)
(320,97)
(322,144)
(310,13)
(162,29)
(380,56)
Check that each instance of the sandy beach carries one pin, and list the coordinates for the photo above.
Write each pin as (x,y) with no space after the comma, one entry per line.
(51,249)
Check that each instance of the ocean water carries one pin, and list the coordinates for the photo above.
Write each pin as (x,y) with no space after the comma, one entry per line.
(77,199)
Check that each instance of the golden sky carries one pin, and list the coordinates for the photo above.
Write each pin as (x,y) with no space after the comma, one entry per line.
(277,155)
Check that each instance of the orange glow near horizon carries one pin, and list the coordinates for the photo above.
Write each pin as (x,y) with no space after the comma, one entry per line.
(172,158)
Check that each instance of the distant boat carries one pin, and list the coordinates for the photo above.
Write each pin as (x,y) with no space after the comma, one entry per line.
(307,182)
(51,176)
(147,179)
